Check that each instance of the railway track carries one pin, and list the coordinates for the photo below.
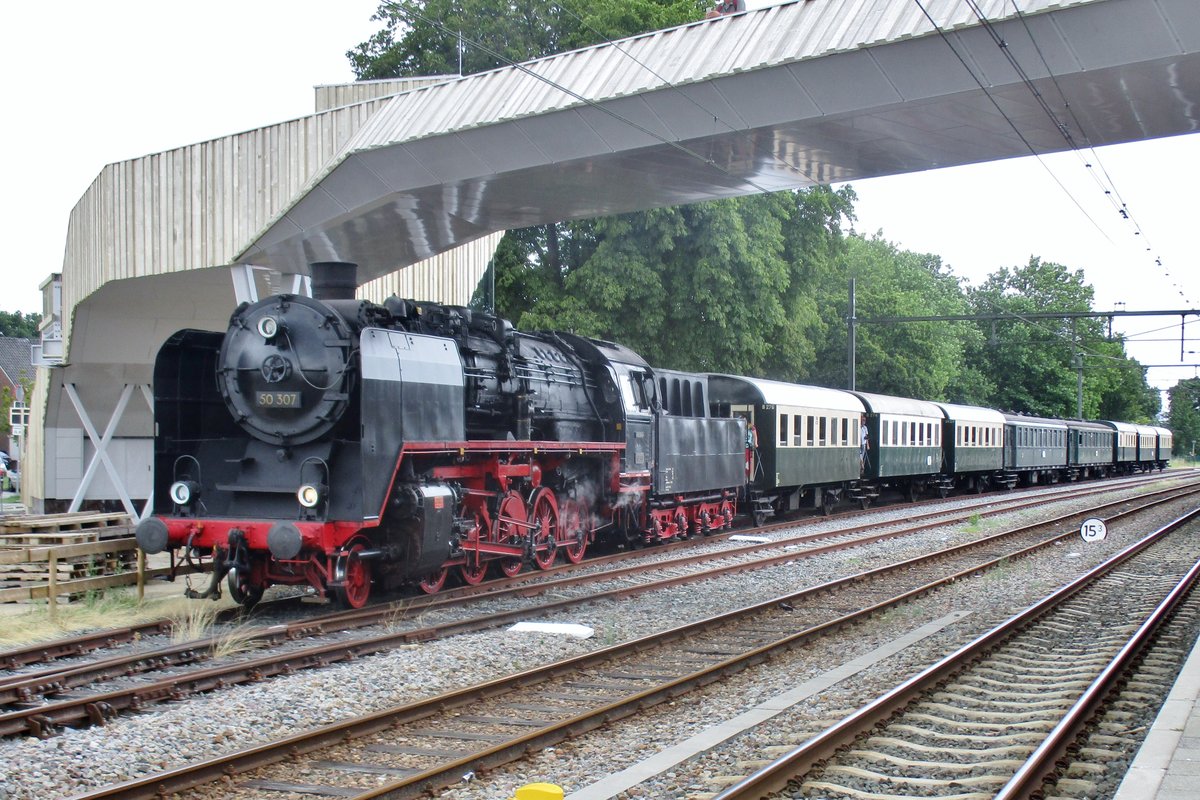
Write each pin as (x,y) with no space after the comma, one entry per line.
(81,645)
(45,702)
(1000,718)
(14,660)
(431,743)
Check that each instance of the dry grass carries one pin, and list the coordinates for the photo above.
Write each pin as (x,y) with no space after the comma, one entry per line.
(25,624)
(198,620)
(192,620)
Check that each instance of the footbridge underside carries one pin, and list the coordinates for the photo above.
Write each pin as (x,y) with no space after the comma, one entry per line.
(793,95)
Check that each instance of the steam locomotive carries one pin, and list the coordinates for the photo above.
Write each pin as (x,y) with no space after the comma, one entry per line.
(340,444)
(343,445)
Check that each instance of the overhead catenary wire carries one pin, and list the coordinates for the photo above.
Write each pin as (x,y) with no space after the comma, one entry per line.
(1110,191)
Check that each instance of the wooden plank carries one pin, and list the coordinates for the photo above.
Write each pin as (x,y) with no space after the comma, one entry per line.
(63,522)
(300,788)
(466,736)
(373,769)
(532,723)
(33,554)
(404,750)
(41,591)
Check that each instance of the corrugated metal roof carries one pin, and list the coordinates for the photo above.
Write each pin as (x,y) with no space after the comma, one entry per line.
(688,54)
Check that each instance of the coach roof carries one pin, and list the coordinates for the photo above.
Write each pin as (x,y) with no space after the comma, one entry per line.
(737,389)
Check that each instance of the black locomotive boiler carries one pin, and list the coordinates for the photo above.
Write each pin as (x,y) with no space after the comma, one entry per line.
(340,444)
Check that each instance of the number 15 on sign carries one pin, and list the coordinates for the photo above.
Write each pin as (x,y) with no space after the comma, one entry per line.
(1093,530)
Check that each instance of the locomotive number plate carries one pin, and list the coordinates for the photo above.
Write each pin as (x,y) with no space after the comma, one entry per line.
(278,399)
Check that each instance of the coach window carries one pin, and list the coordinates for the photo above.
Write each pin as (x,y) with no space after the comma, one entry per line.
(783,429)
(823,438)
(798,430)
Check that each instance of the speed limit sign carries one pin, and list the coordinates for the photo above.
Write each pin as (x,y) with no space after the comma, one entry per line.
(1093,530)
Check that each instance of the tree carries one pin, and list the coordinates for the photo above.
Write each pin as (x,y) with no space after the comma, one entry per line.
(14,323)
(912,359)
(1035,362)
(421,37)
(1184,418)
(717,286)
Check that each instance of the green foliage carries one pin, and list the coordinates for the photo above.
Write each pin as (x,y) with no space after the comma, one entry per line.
(1035,361)
(14,323)
(1184,419)
(420,37)
(719,286)
(914,359)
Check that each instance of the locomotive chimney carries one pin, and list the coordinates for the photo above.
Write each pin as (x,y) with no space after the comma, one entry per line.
(333,280)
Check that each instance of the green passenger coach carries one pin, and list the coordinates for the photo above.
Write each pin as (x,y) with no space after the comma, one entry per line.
(904,442)
(974,444)
(806,438)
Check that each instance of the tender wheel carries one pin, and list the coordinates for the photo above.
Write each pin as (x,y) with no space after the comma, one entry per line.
(242,591)
(571,525)
(434,581)
(760,518)
(354,575)
(545,527)
(473,573)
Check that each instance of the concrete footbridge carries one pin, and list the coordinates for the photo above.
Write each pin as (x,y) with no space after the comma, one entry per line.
(389,175)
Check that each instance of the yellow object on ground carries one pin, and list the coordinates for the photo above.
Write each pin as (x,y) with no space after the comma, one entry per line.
(539,791)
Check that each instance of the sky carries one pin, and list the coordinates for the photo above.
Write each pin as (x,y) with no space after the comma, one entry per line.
(93,83)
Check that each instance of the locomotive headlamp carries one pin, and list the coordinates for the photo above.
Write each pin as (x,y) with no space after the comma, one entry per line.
(309,495)
(184,492)
(268,327)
